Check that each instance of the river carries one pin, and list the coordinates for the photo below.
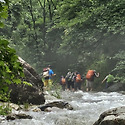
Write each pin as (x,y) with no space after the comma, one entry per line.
(87,108)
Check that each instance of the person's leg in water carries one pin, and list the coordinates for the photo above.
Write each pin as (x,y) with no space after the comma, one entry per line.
(75,86)
(106,85)
(46,83)
(87,85)
(91,85)
(79,86)
(63,87)
(50,83)
(68,85)
(72,85)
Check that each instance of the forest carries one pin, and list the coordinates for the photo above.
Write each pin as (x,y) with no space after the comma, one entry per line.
(66,34)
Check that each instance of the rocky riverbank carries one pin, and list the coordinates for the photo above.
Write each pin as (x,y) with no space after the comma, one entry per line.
(115,116)
(21,111)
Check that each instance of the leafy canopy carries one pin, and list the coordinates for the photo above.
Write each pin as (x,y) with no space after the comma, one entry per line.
(10,69)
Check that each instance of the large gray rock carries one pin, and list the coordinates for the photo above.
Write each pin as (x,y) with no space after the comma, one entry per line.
(21,94)
(28,94)
(116,87)
(58,104)
(30,74)
(18,116)
(114,116)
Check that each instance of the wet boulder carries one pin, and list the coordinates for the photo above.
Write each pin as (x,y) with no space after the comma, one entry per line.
(18,116)
(115,116)
(30,74)
(58,104)
(21,94)
(116,87)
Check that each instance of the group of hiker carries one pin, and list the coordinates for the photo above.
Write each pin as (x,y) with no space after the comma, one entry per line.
(73,80)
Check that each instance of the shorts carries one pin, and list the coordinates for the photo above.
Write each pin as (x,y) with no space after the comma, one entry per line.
(89,84)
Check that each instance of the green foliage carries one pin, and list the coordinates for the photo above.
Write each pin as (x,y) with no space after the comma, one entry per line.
(5,109)
(120,66)
(55,90)
(3,12)
(68,34)
(26,83)
(56,94)
(10,69)
(120,79)
(26,106)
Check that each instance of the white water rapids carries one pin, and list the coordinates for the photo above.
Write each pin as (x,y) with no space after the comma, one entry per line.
(87,108)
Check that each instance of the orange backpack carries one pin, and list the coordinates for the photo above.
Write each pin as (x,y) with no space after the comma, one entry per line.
(90,74)
(78,78)
(63,80)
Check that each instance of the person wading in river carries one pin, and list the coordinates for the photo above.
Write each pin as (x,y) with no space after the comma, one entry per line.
(91,74)
(47,75)
(109,80)
(51,74)
(70,80)
(78,81)
(63,83)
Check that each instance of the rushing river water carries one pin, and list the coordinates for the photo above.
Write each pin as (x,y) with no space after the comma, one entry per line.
(87,108)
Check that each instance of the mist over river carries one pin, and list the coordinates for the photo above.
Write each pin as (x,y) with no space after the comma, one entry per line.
(87,108)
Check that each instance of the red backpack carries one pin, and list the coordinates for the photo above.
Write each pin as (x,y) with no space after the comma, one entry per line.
(90,74)
(78,78)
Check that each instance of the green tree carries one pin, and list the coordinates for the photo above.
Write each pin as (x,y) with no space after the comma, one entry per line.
(10,69)
(30,32)
(71,34)
(120,66)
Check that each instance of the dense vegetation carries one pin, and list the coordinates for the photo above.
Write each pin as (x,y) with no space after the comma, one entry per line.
(10,69)
(75,34)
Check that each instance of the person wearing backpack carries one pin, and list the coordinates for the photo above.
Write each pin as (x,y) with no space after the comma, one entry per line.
(47,75)
(91,74)
(109,80)
(78,81)
(63,83)
(70,80)
(51,74)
